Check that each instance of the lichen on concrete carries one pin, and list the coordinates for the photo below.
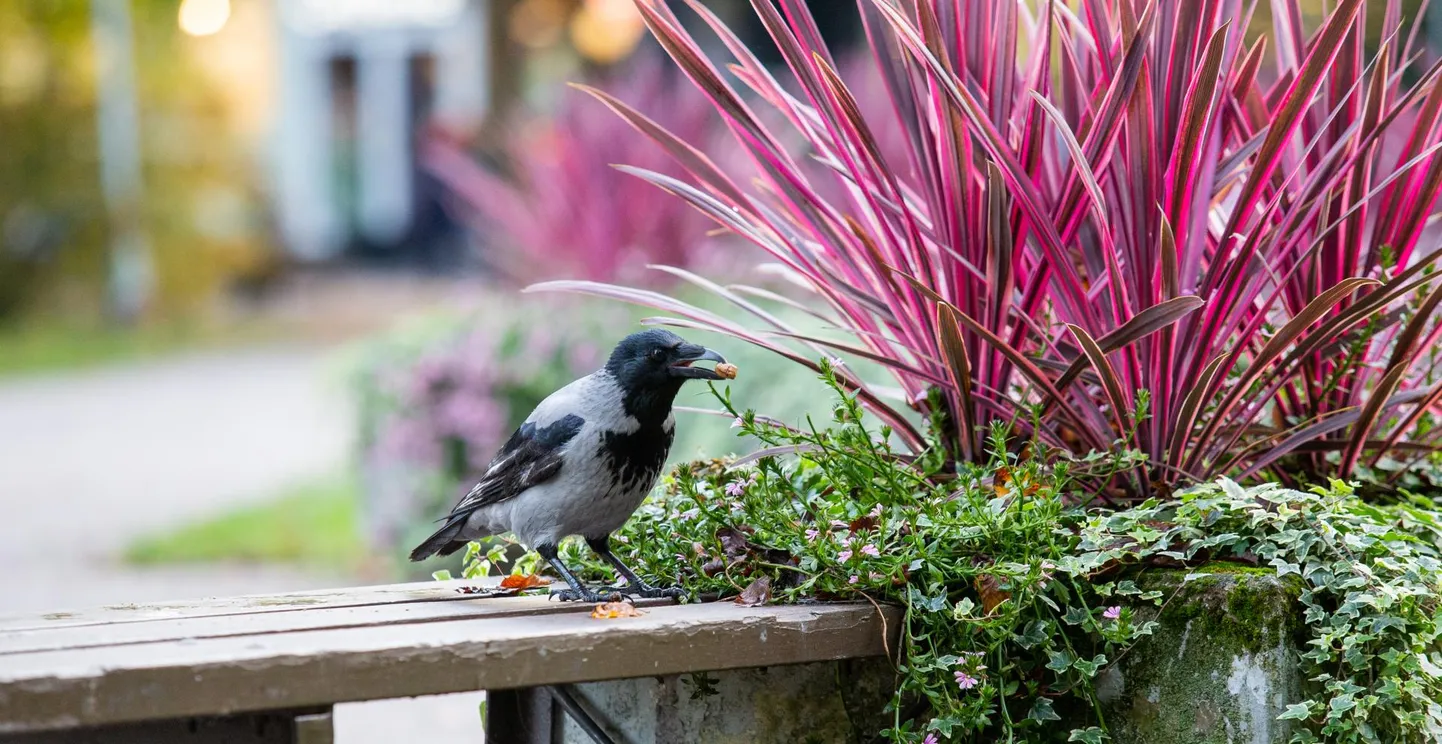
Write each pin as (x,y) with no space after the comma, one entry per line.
(1221,666)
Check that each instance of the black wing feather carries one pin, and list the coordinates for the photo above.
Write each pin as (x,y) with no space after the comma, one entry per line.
(530,457)
(533,455)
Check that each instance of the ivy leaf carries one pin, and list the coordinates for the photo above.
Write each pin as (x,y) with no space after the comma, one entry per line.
(1092,735)
(1284,567)
(1060,661)
(1089,668)
(1428,668)
(1041,711)
(1341,704)
(1231,489)
(1075,616)
(1034,635)
(1298,711)
(944,725)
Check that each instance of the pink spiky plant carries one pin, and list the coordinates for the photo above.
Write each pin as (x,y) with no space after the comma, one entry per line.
(563,209)
(1121,216)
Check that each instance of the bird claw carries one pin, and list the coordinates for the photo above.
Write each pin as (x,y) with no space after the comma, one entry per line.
(656,592)
(571,595)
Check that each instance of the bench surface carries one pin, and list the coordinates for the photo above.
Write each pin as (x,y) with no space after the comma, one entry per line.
(128,663)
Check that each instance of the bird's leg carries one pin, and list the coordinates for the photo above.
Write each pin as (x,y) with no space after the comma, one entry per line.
(602,546)
(578,591)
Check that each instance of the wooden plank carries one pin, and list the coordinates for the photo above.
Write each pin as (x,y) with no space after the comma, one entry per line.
(144,681)
(189,629)
(439,591)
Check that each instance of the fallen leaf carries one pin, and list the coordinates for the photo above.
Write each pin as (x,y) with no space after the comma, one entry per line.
(733,542)
(714,566)
(991,593)
(757,592)
(867,522)
(613,610)
(524,581)
(484,592)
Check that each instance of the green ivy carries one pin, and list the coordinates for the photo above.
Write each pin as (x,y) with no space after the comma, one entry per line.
(1018,590)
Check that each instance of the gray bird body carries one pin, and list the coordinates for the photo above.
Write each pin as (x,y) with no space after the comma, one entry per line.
(584,460)
(586,497)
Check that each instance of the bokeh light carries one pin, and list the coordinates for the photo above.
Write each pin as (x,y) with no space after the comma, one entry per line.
(537,23)
(606,31)
(204,17)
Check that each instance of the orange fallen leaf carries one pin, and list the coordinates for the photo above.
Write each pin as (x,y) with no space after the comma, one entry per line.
(524,581)
(613,610)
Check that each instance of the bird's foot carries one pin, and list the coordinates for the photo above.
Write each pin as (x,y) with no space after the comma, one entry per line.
(655,592)
(586,595)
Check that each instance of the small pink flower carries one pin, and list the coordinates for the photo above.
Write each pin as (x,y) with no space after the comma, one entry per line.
(813,534)
(876,576)
(735,488)
(839,524)
(1112,613)
(871,550)
(844,556)
(737,423)
(930,739)
(853,579)
(876,512)
(964,681)
(690,514)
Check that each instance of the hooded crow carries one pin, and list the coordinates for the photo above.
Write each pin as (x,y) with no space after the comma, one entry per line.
(583,461)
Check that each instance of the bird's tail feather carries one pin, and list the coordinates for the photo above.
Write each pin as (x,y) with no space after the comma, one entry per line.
(444,541)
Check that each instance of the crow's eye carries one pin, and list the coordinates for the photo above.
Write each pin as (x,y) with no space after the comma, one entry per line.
(657,355)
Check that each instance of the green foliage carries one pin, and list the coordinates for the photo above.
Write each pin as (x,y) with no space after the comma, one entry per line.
(1372,580)
(1017,596)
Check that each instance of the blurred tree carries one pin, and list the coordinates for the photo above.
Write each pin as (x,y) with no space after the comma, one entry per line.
(200,207)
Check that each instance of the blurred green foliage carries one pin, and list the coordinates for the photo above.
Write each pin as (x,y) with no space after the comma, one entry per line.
(48,345)
(200,206)
(313,524)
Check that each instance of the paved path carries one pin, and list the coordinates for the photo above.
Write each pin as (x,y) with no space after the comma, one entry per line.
(90,460)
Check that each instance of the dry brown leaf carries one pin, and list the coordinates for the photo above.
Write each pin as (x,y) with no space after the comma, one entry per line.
(757,592)
(714,566)
(522,582)
(867,522)
(991,593)
(613,610)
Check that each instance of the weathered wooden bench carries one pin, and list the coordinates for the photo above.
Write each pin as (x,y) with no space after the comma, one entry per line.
(268,669)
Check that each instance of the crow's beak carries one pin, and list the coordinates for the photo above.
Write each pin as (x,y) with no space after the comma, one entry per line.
(695,353)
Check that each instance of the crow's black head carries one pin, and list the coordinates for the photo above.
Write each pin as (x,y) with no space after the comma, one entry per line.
(654,363)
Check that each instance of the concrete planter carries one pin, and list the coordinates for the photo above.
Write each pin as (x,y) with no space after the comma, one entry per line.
(1219,670)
